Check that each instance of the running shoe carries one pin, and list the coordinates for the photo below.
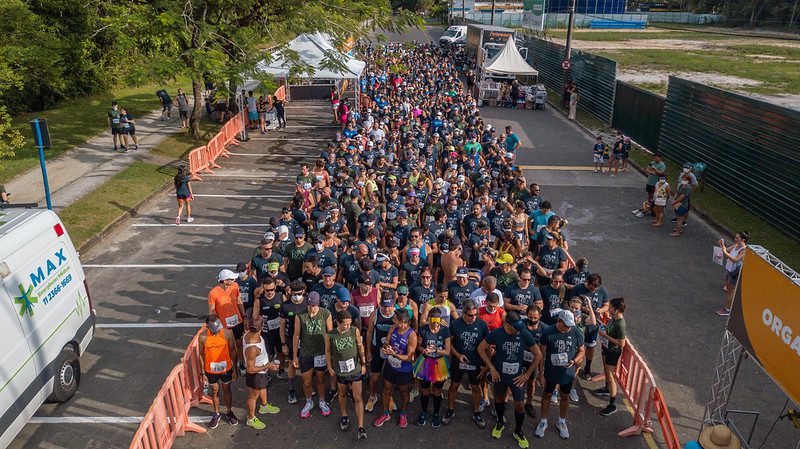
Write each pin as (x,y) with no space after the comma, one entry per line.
(573,395)
(601,392)
(609,410)
(586,375)
(306,412)
(635,211)
(330,394)
(448,417)
(639,214)
(189,219)
(436,421)
(521,440)
(362,433)
(554,398)
(484,403)
(268,409)
(479,420)
(413,394)
(255,423)
(214,421)
(371,401)
(723,312)
(231,418)
(422,419)
(562,429)
(292,397)
(283,374)
(323,406)
(344,424)
(403,421)
(540,429)
(530,410)
(497,432)
(381,419)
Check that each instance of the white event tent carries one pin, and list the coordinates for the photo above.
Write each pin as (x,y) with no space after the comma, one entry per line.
(509,61)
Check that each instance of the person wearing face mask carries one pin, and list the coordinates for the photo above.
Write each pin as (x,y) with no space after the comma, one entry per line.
(510,340)
(247,286)
(218,356)
(661,195)
(258,364)
(288,312)
(325,256)
(681,203)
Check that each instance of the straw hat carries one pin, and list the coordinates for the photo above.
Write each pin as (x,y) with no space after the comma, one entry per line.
(718,437)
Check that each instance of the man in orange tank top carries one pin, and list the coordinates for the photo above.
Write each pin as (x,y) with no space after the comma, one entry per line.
(218,356)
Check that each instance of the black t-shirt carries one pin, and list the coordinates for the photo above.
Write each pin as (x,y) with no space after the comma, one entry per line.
(466,338)
(327,296)
(552,298)
(412,272)
(510,352)
(522,296)
(431,339)
(560,349)
(422,294)
(288,311)
(598,297)
(246,289)
(270,309)
(457,294)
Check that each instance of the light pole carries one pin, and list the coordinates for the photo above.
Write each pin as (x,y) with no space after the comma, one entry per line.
(492,20)
(568,50)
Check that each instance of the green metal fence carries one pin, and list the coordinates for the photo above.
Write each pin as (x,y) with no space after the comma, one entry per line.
(595,75)
(751,148)
(637,113)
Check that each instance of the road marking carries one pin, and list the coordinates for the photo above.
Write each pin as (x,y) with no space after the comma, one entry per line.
(248,176)
(100,419)
(216,195)
(557,167)
(314,126)
(202,225)
(144,325)
(161,265)
(309,156)
(293,139)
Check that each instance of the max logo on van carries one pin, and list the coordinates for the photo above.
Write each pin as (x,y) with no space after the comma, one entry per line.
(39,275)
(26,300)
(46,283)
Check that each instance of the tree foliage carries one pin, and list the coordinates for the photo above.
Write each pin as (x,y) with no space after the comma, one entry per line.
(750,12)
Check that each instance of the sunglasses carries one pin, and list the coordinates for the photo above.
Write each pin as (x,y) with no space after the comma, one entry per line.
(268,290)
(524,279)
(471,315)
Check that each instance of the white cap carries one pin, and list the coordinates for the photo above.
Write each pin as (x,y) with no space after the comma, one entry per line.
(567,317)
(283,229)
(224,275)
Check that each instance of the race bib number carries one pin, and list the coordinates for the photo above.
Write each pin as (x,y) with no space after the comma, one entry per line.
(243,297)
(219,367)
(466,367)
(232,321)
(510,368)
(365,311)
(559,359)
(273,324)
(115,121)
(319,361)
(527,356)
(394,361)
(345,366)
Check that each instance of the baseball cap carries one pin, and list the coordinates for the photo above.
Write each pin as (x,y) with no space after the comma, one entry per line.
(241,266)
(299,231)
(226,274)
(328,271)
(567,318)
(402,289)
(549,236)
(387,300)
(269,235)
(505,258)
(342,295)
(462,272)
(313,299)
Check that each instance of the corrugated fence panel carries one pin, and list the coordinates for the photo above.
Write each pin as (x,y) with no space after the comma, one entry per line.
(637,113)
(594,75)
(752,148)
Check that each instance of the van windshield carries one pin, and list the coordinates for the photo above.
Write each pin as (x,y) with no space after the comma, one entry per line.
(450,33)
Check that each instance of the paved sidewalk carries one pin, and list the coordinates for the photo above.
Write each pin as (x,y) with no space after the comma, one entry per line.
(89,165)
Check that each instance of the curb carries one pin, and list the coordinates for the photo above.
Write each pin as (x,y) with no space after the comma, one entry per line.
(696,210)
(112,227)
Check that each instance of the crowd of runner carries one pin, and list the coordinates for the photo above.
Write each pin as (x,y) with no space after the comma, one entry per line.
(414,252)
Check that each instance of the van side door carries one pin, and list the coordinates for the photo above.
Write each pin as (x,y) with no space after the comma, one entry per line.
(17,369)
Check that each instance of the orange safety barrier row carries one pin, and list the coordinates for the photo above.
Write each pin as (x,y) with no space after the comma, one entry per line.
(168,417)
(203,159)
(665,421)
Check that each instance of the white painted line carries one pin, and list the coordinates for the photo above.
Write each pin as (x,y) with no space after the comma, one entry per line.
(313,126)
(100,419)
(145,325)
(249,176)
(293,139)
(201,225)
(157,265)
(309,156)
(215,195)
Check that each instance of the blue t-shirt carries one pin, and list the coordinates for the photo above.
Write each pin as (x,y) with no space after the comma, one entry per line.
(511,142)
(560,349)
(466,338)
(510,352)
(540,219)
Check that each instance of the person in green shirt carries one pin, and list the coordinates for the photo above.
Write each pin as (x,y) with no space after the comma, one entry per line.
(308,345)
(295,254)
(656,168)
(344,352)
(613,337)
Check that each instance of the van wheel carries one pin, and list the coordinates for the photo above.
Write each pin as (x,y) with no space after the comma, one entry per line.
(67,376)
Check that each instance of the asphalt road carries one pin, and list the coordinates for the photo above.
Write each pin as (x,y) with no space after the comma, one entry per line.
(151,269)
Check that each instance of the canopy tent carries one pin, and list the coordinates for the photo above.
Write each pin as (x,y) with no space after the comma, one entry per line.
(509,61)
(317,51)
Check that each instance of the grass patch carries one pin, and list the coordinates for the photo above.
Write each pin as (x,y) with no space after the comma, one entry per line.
(659,88)
(631,35)
(94,212)
(73,122)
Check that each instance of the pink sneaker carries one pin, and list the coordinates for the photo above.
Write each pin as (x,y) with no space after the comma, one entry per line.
(381,419)
(403,421)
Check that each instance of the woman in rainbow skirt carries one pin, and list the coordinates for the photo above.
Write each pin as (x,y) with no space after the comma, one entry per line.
(433,367)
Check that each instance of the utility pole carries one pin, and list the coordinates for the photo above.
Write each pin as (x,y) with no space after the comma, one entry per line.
(794,10)
(566,65)
(463,12)
(492,21)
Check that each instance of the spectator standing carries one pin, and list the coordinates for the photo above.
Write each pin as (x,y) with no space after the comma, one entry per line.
(252,111)
(681,204)
(733,256)
(166,104)
(280,113)
(183,108)
(573,103)
(183,192)
(660,197)
(115,124)
(128,128)
(656,168)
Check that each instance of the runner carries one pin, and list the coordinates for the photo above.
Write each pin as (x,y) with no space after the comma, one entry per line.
(510,341)
(308,344)
(466,334)
(224,302)
(346,361)
(218,357)
(399,348)
(380,321)
(536,328)
(562,348)
(292,308)
(258,363)
(268,305)
(432,368)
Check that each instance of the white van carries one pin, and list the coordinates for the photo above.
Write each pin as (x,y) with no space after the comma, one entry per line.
(455,35)
(46,316)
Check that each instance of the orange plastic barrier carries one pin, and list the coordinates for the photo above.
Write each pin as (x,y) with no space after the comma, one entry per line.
(665,421)
(168,417)
(203,159)
(280,94)
(637,382)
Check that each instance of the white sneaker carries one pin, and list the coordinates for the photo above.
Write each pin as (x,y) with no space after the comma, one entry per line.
(573,395)
(555,397)
(189,220)
(306,412)
(640,214)
(413,395)
(539,432)
(562,429)
(635,211)
(484,403)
